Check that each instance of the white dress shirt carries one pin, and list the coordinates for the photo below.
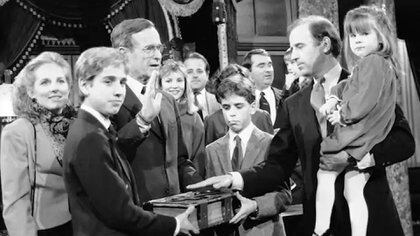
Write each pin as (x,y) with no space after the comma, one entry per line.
(135,85)
(102,119)
(245,134)
(271,99)
(202,101)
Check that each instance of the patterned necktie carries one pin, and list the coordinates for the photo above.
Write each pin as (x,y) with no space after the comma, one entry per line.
(197,104)
(237,154)
(264,103)
(317,100)
(318,94)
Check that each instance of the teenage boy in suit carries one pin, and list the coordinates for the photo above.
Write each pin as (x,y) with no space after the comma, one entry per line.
(241,148)
(100,184)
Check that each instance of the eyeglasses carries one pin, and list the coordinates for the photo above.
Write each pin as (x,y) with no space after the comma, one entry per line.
(152,48)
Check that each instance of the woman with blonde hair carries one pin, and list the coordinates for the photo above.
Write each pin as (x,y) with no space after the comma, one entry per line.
(173,81)
(34,197)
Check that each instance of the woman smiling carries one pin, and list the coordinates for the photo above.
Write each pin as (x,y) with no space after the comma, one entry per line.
(173,80)
(34,197)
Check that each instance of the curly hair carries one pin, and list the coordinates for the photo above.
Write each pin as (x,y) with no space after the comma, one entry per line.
(25,80)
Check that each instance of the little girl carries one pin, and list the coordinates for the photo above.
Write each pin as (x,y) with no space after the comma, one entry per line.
(366,112)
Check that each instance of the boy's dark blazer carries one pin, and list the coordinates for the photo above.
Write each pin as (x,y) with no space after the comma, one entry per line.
(101,187)
(160,163)
(299,137)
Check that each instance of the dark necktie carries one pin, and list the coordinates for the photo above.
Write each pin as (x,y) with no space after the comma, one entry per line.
(197,104)
(237,154)
(264,103)
(113,133)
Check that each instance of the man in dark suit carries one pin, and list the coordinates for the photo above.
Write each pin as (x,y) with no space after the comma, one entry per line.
(102,192)
(268,98)
(166,169)
(316,44)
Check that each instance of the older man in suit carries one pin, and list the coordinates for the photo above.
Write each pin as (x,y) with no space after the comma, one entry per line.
(268,98)
(166,169)
(316,44)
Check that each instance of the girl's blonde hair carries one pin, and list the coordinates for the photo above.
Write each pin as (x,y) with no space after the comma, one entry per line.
(366,18)
(25,80)
(171,66)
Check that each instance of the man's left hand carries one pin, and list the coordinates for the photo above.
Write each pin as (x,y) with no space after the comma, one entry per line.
(248,206)
(334,162)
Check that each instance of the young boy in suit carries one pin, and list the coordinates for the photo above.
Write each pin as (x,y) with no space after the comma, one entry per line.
(101,187)
(243,147)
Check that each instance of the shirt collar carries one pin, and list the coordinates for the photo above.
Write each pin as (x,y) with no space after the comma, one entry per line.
(267,91)
(331,77)
(245,134)
(104,121)
(134,85)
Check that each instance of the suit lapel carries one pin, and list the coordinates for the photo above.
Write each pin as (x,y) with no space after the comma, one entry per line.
(252,150)
(223,154)
(277,96)
(118,161)
(306,112)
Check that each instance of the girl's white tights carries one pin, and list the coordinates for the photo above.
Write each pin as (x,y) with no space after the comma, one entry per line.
(354,183)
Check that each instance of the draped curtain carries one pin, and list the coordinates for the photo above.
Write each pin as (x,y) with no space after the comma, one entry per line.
(410,100)
(22,22)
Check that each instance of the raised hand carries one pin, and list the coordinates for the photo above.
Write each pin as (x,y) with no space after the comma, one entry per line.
(221,181)
(185,225)
(248,206)
(151,99)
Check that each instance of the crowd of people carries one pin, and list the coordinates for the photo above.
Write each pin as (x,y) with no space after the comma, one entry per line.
(147,129)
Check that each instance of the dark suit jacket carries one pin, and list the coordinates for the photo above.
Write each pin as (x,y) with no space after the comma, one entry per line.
(278,95)
(160,163)
(215,125)
(299,137)
(101,188)
(270,204)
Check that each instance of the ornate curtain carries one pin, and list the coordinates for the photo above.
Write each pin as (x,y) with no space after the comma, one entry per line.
(23,21)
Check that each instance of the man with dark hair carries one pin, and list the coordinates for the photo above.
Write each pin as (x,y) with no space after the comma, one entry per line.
(315,45)
(198,70)
(165,169)
(268,98)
